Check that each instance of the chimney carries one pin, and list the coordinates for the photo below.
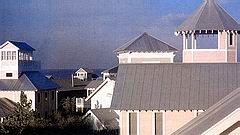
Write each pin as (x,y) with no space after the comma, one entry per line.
(72,81)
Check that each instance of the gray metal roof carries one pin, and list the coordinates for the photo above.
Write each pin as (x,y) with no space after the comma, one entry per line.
(173,86)
(212,116)
(94,84)
(28,81)
(209,16)
(146,43)
(111,70)
(107,117)
(22,46)
(66,84)
(6,107)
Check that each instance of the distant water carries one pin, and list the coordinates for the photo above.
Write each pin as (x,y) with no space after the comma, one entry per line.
(65,73)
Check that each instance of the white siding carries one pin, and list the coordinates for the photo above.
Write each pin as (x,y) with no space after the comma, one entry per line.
(104,96)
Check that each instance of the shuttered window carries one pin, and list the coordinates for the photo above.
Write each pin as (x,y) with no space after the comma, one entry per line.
(158,123)
(132,123)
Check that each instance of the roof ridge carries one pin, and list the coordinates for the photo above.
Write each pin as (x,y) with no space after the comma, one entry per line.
(201,13)
(24,74)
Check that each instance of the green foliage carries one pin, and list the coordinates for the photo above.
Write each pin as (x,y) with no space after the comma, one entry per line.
(24,122)
(22,117)
(69,105)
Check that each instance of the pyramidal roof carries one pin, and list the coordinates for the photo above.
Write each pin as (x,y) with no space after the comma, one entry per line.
(145,43)
(209,16)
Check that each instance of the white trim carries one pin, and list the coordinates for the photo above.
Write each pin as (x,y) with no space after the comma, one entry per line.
(195,113)
(236,49)
(207,50)
(127,123)
(97,89)
(226,122)
(163,122)
(219,39)
(153,122)
(226,47)
(138,123)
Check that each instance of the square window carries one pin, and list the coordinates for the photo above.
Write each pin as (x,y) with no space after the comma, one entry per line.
(9,75)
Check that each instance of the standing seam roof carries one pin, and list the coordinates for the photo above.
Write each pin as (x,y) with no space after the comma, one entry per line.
(209,16)
(146,43)
(175,86)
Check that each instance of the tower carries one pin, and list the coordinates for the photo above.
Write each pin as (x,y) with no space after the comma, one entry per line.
(209,20)
(16,57)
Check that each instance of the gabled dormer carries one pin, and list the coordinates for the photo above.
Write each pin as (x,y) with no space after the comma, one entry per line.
(16,57)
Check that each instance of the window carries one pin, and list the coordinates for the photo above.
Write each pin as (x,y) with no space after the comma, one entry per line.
(158,126)
(20,56)
(53,95)
(3,55)
(39,96)
(9,75)
(8,55)
(46,95)
(231,39)
(132,123)
(13,55)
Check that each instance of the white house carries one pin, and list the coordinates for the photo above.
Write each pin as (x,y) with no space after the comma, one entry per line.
(20,72)
(101,97)
(83,74)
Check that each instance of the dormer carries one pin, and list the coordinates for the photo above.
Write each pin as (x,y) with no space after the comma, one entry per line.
(209,35)
(16,57)
(146,49)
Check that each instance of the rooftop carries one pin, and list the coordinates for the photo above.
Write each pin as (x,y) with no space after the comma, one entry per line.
(6,107)
(173,86)
(209,16)
(28,81)
(21,45)
(145,43)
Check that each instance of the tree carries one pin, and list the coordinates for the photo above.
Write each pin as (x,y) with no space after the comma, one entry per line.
(69,105)
(22,117)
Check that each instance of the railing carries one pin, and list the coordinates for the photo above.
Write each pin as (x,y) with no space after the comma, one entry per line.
(29,65)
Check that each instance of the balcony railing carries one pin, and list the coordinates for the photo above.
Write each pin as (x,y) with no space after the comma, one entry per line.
(29,65)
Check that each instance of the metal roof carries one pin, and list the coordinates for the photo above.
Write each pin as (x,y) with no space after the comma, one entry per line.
(28,81)
(173,86)
(94,84)
(107,117)
(22,46)
(111,70)
(6,107)
(146,43)
(66,84)
(209,16)
(212,116)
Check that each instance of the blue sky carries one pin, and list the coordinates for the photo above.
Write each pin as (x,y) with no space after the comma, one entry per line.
(84,33)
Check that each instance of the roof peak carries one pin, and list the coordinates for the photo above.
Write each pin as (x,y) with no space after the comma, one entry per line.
(145,43)
(209,16)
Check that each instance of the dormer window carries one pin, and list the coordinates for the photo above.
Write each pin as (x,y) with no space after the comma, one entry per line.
(3,55)
(8,55)
(13,55)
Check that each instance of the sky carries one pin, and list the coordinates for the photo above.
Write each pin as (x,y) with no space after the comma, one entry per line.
(84,33)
